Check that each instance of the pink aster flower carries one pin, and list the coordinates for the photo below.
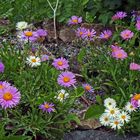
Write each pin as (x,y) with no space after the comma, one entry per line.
(134,66)
(44,58)
(135,101)
(126,34)
(88,88)
(9,97)
(138,25)
(106,34)
(119,15)
(80,32)
(115,48)
(4,84)
(74,20)
(66,79)
(119,54)
(89,34)
(29,35)
(47,107)
(60,63)
(1,67)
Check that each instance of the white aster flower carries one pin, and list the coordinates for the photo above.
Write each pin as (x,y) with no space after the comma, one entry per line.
(21,25)
(129,108)
(112,111)
(116,124)
(109,102)
(33,61)
(62,95)
(124,117)
(104,119)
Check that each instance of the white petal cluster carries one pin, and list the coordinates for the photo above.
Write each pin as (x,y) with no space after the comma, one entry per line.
(33,61)
(21,25)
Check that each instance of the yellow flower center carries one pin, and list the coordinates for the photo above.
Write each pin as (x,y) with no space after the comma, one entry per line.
(81,33)
(7,96)
(123,117)
(116,122)
(33,60)
(87,87)
(119,55)
(47,106)
(60,63)
(66,79)
(137,97)
(106,119)
(88,34)
(131,107)
(1,87)
(61,95)
(28,33)
(126,35)
(112,111)
(75,20)
(106,36)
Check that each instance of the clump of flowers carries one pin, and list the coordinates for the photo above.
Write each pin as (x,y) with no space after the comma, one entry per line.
(113,116)
(66,79)
(119,15)
(33,61)
(9,95)
(74,20)
(118,52)
(134,66)
(21,25)
(2,67)
(127,34)
(60,63)
(106,34)
(47,107)
(62,95)
(89,34)
(88,88)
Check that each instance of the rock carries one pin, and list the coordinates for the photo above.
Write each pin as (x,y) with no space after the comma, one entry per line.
(97,135)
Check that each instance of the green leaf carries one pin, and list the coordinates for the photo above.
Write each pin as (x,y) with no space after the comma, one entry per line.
(73,117)
(94,111)
(81,55)
(98,99)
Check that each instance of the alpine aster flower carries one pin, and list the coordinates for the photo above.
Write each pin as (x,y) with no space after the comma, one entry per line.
(33,61)
(9,97)
(89,34)
(44,58)
(129,107)
(60,63)
(106,34)
(75,20)
(124,117)
(112,111)
(109,102)
(134,66)
(80,32)
(88,88)
(28,36)
(66,79)
(127,34)
(41,32)
(135,101)
(119,15)
(47,107)
(2,67)
(105,119)
(116,124)
(21,25)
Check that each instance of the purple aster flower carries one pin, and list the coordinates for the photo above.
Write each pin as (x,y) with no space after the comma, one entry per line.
(29,35)
(41,32)
(66,79)
(135,101)
(1,67)
(119,15)
(138,25)
(80,32)
(89,34)
(134,66)
(60,63)
(88,88)
(9,97)
(127,34)
(44,58)
(4,84)
(47,107)
(106,34)
(74,20)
